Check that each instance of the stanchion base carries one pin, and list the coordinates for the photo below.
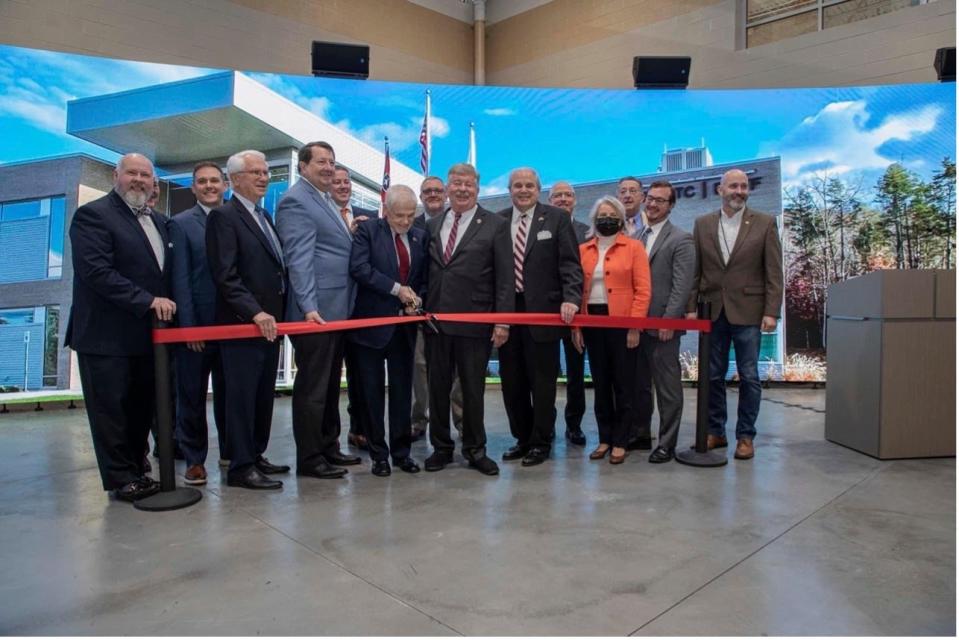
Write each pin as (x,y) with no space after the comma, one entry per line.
(169,500)
(704,459)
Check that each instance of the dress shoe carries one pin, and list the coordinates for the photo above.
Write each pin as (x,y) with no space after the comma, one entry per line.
(407,465)
(599,452)
(357,440)
(642,443)
(195,475)
(576,436)
(618,458)
(417,434)
(381,468)
(267,467)
(535,456)
(252,478)
(744,449)
(516,452)
(342,459)
(437,461)
(136,490)
(660,455)
(485,466)
(322,469)
(715,442)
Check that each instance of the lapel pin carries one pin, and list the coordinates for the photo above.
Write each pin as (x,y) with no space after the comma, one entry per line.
(541,218)
(479,221)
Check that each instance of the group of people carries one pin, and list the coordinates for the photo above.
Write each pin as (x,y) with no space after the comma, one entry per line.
(323,260)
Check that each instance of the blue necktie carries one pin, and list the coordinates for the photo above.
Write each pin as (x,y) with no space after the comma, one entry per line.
(265,228)
(644,234)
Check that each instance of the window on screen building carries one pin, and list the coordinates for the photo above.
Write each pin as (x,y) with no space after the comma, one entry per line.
(773,20)
(31,239)
(29,348)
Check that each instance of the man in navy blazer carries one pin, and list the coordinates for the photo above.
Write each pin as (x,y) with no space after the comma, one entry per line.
(389,262)
(195,297)
(317,242)
(120,263)
(249,271)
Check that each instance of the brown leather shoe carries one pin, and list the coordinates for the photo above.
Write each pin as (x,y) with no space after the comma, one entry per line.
(357,440)
(715,442)
(744,449)
(615,458)
(195,475)
(599,452)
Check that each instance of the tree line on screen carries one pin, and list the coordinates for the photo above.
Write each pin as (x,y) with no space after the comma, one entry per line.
(838,229)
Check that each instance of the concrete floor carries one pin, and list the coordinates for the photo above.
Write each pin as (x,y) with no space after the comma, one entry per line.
(809,538)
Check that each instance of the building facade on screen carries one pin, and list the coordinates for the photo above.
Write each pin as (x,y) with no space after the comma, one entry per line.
(176,124)
(696,179)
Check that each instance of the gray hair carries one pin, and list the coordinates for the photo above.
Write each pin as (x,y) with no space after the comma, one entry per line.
(463,169)
(123,158)
(552,189)
(530,169)
(614,203)
(399,193)
(237,162)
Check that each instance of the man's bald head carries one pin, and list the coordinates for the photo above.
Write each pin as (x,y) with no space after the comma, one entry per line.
(734,190)
(562,195)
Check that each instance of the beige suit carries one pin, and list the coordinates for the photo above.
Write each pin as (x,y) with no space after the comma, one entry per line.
(750,286)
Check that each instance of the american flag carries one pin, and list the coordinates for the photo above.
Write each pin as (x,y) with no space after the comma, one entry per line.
(425,139)
(386,172)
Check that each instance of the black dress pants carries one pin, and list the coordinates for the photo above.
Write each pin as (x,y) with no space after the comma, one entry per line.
(575,387)
(193,371)
(120,399)
(249,372)
(612,366)
(469,357)
(316,395)
(371,381)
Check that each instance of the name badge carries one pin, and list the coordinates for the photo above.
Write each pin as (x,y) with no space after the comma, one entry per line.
(545,234)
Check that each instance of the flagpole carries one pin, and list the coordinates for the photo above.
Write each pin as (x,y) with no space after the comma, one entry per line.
(471,156)
(386,173)
(427,126)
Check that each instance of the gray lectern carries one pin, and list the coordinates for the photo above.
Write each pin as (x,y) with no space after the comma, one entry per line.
(891,363)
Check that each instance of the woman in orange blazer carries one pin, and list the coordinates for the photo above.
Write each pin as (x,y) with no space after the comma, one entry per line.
(616,283)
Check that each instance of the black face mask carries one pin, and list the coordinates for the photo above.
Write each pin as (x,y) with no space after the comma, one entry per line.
(608,226)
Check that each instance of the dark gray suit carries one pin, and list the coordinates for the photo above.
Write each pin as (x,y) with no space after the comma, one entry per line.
(477,279)
(575,362)
(672,262)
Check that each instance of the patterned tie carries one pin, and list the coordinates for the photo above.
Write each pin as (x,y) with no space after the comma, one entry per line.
(268,232)
(345,214)
(404,257)
(519,252)
(451,242)
(645,233)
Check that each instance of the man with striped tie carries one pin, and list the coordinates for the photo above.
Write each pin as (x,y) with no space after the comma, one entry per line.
(471,271)
(548,279)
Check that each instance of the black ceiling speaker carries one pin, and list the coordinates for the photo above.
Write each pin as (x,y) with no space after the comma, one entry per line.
(945,64)
(341,60)
(661,72)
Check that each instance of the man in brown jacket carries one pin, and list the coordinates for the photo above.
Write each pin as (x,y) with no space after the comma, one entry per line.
(738,270)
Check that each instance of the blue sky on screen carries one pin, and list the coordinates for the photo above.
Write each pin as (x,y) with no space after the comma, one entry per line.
(574,134)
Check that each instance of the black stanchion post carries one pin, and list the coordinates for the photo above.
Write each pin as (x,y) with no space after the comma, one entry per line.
(699,456)
(170,497)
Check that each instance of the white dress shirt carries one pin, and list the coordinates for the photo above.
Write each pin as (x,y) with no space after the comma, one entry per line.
(250,207)
(728,232)
(156,240)
(447,225)
(654,230)
(514,223)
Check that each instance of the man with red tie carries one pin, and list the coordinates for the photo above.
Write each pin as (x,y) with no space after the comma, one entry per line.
(389,263)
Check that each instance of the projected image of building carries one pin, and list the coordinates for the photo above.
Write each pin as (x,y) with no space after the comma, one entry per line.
(176,125)
(696,186)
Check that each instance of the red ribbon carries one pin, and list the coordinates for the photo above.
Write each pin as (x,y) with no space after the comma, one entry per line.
(239,331)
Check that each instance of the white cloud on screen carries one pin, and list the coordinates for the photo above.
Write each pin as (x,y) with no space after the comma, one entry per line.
(500,112)
(842,138)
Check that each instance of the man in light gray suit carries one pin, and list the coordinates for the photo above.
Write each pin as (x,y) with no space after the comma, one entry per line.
(316,245)
(672,261)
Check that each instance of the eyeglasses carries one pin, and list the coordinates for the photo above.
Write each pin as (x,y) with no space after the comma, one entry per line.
(655,200)
(259,173)
(432,192)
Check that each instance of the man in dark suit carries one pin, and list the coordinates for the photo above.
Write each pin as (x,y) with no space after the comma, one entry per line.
(317,242)
(120,262)
(739,269)
(389,263)
(249,272)
(341,190)
(548,279)
(672,258)
(433,197)
(195,297)
(471,271)
(563,196)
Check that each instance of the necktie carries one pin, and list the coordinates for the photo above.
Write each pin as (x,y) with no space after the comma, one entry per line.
(345,214)
(519,252)
(630,226)
(451,242)
(644,234)
(404,257)
(268,232)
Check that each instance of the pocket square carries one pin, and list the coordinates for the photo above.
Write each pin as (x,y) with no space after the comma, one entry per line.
(545,234)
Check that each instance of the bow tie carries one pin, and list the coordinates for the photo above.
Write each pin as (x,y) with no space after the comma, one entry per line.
(139,212)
